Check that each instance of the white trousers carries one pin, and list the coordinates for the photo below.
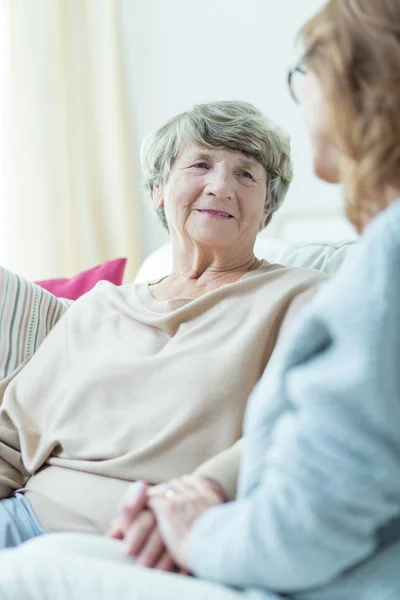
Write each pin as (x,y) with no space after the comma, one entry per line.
(70,566)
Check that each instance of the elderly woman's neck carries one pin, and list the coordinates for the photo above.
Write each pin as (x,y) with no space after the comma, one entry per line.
(203,268)
(194,261)
(198,272)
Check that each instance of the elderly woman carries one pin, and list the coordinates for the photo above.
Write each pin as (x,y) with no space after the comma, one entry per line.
(318,509)
(150,382)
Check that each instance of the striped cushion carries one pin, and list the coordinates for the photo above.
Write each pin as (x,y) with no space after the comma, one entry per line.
(27,314)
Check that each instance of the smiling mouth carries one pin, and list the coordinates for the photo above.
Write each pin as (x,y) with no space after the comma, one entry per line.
(216,214)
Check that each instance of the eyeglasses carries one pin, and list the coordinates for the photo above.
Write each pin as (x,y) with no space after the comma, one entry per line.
(295,82)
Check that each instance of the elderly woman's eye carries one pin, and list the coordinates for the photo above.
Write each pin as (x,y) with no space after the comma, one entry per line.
(201,165)
(247,174)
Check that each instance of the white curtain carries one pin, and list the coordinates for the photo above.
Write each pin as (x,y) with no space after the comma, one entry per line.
(4,135)
(69,199)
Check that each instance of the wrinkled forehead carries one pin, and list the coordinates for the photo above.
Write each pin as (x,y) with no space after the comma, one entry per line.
(194,151)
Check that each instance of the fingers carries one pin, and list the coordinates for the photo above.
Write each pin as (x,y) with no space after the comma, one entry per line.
(115,531)
(138,499)
(144,541)
(155,527)
(159,504)
(176,484)
(152,550)
(166,563)
(139,532)
(135,498)
(174,524)
(190,486)
(132,504)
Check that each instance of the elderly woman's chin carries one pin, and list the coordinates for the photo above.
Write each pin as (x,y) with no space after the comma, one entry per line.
(215,233)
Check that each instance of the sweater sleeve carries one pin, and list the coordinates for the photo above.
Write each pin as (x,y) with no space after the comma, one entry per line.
(224,468)
(330,481)
(13,474)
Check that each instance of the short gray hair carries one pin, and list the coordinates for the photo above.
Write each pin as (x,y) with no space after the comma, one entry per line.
(236,126)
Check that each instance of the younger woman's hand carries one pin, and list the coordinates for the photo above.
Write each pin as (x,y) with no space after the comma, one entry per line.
(178,508)
(137,527)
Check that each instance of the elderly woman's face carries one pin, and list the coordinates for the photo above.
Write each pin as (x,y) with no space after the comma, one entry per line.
(214,196)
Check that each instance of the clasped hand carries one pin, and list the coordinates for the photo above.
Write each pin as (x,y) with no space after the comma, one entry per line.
(155,521)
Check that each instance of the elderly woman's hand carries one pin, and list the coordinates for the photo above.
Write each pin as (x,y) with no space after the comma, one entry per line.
(178,508)
(137,524)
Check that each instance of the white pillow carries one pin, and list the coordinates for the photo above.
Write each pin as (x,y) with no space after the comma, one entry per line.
(27,314)
(312,255)
(324,257)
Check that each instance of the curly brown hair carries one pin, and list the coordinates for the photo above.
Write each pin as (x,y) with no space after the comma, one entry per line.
(353,46)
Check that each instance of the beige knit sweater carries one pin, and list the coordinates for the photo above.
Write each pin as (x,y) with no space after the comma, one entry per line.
(126,387)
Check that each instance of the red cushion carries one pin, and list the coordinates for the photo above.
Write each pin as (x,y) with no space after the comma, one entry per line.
(112,271)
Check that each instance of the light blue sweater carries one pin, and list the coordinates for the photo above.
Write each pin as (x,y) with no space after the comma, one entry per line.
(318,509)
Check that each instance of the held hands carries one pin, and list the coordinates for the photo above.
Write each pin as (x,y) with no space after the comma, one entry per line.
(155,522)
(137,527)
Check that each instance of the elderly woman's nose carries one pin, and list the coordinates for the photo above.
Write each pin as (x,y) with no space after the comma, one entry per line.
(221,183)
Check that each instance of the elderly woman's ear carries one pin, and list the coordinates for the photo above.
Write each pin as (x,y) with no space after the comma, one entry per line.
(158,196)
